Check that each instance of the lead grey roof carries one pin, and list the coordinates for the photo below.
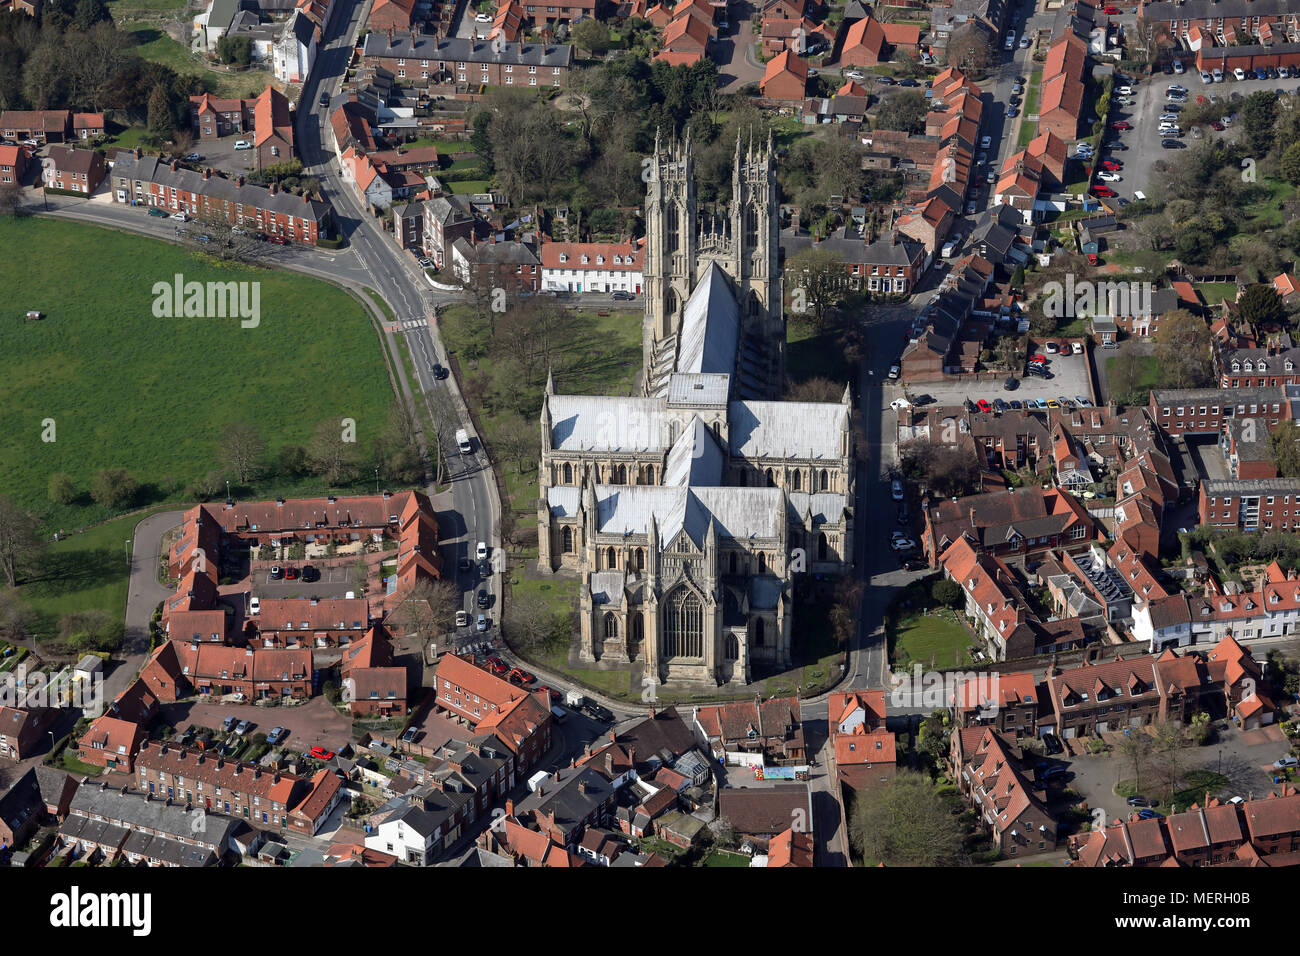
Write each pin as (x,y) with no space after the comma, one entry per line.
(607,587)
(739,512)
(787,429)
(564,500)
(710,331)
(695,458)
(826,507)
(687,388)
(461,49)
(605,423)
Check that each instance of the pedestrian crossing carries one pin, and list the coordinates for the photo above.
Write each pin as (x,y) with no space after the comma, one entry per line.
(415,324)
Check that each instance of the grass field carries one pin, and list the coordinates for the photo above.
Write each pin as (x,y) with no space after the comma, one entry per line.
(936,641)
(1216,292)
(156,46)
(124,389)
(1149,379)
(466,186)
(145,9)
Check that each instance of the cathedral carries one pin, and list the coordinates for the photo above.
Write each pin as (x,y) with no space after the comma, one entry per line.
(687,510)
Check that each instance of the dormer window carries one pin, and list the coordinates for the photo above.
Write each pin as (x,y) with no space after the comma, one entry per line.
(1263,366)
(564,257)
(585,258)
(1236,366)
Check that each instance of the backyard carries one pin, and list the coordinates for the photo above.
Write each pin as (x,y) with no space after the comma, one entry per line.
(926,633)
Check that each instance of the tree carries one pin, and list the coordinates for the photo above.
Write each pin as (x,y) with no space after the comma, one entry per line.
(517,439)
(61,489)
(20,545)
(1258,121)
(91,12)
(11,199)
(816,389)
(816,278)
(235,49)
(113,488)
(945,469)
(1182,350)
(242,449)
(846,608)
(905,823)
(1137,750)
(330,454)
(1289,165)
(970,48)
(1284,443)
(1171,742)
(1261,306)
(160,121)
(904,111)
(428,609)
(1126,373)
(946,592)
(591,35)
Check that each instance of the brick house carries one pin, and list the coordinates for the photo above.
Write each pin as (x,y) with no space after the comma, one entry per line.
(565,804)
(193,778)
(785,78)
(105,823)
(23,730)
(213,117)
(391,15)
(759,815)
(1202,411)
(1246,449)
(1109,695)
(43,126)
(325,794)
(321,623)
(446,219)
(768,728)
(1013,711)
(1063,87)
(1258,367)
(521,720)
(1012,523)
(88,125)
(1262,503)
(13,164)
(421,62)
(509,264)
(865,752)
(221,670)
(570,11)
(75,170)
(868,42)
(991,773)
(168,186)
(272,128)
(111,743)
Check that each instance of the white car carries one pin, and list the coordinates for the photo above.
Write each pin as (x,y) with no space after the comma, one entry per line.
(1239,73)
(896,489)
(243,144)
(853,75)
(1287,761)
(1206,76)
(986,142)
(900,403)
(1024,43)
(1010,43)
(481,552)
(895,371)
(1169,117)
(178,216)
(902,544)
(1218,75)
(483,18)
(1077,347)
(1107,177)
(1125,91)
(254,606)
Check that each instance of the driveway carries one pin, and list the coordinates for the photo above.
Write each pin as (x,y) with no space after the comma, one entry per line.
(315,723)
(1242,757)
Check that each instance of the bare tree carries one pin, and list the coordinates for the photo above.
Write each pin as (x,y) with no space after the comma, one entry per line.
(427,609)
(20,545)
(330,454)
(517,440)
(242,449)
(528,620)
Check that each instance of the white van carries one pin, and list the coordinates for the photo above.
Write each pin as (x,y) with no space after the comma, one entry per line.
(950,246)
(254,606)
(462,441)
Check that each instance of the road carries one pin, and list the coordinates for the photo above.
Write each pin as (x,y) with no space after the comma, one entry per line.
(396,276)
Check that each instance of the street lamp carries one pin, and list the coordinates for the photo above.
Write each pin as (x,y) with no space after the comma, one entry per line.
(376,481)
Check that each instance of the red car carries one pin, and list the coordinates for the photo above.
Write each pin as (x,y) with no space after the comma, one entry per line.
(1104,191)
(497,665)
(1217,126)
(1201,101)
(320,753)
(521,675)
(1111,11)
(1042,359)
(983,406)
(290,574)
(278,241)
(1111,164)
(551,692)
(1121,125)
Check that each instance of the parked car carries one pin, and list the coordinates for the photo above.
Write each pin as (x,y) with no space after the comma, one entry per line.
(621,296)
(276,735)
(596,712)
(902,544)
(482,599)
(1011,384)
(310,574)
(521,675)
(320,753)
(410,734)
(481,552)
(896,489)
(895,371)
(462,618)
(1121,125)
(1053,744)
(1139,801)
(1146,813)
(243,726)
(1108,177)
(277,572)
(180,217)
(243,144)
(497,665)
(482,623)
(290,573)
(1287,761)
(193,158)
(278,241)
(228,723)
(1104,192)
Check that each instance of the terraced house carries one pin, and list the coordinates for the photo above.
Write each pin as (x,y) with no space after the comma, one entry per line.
(420,61)
(192,778)
(147,181)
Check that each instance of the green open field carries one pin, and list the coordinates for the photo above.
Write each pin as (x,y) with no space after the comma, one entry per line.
(152,395)
(1150,377)
(936,641)
(144,9)
(156,46)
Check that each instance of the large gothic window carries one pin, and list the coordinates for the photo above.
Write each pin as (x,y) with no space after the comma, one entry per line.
(821,547)
(683,625)
(733,648)
(795,480)
(611,626)
(568,473)
(826,480)
(611,559)
(758,632)
(640,559)
(674,228)
(620,475)
(751,227)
